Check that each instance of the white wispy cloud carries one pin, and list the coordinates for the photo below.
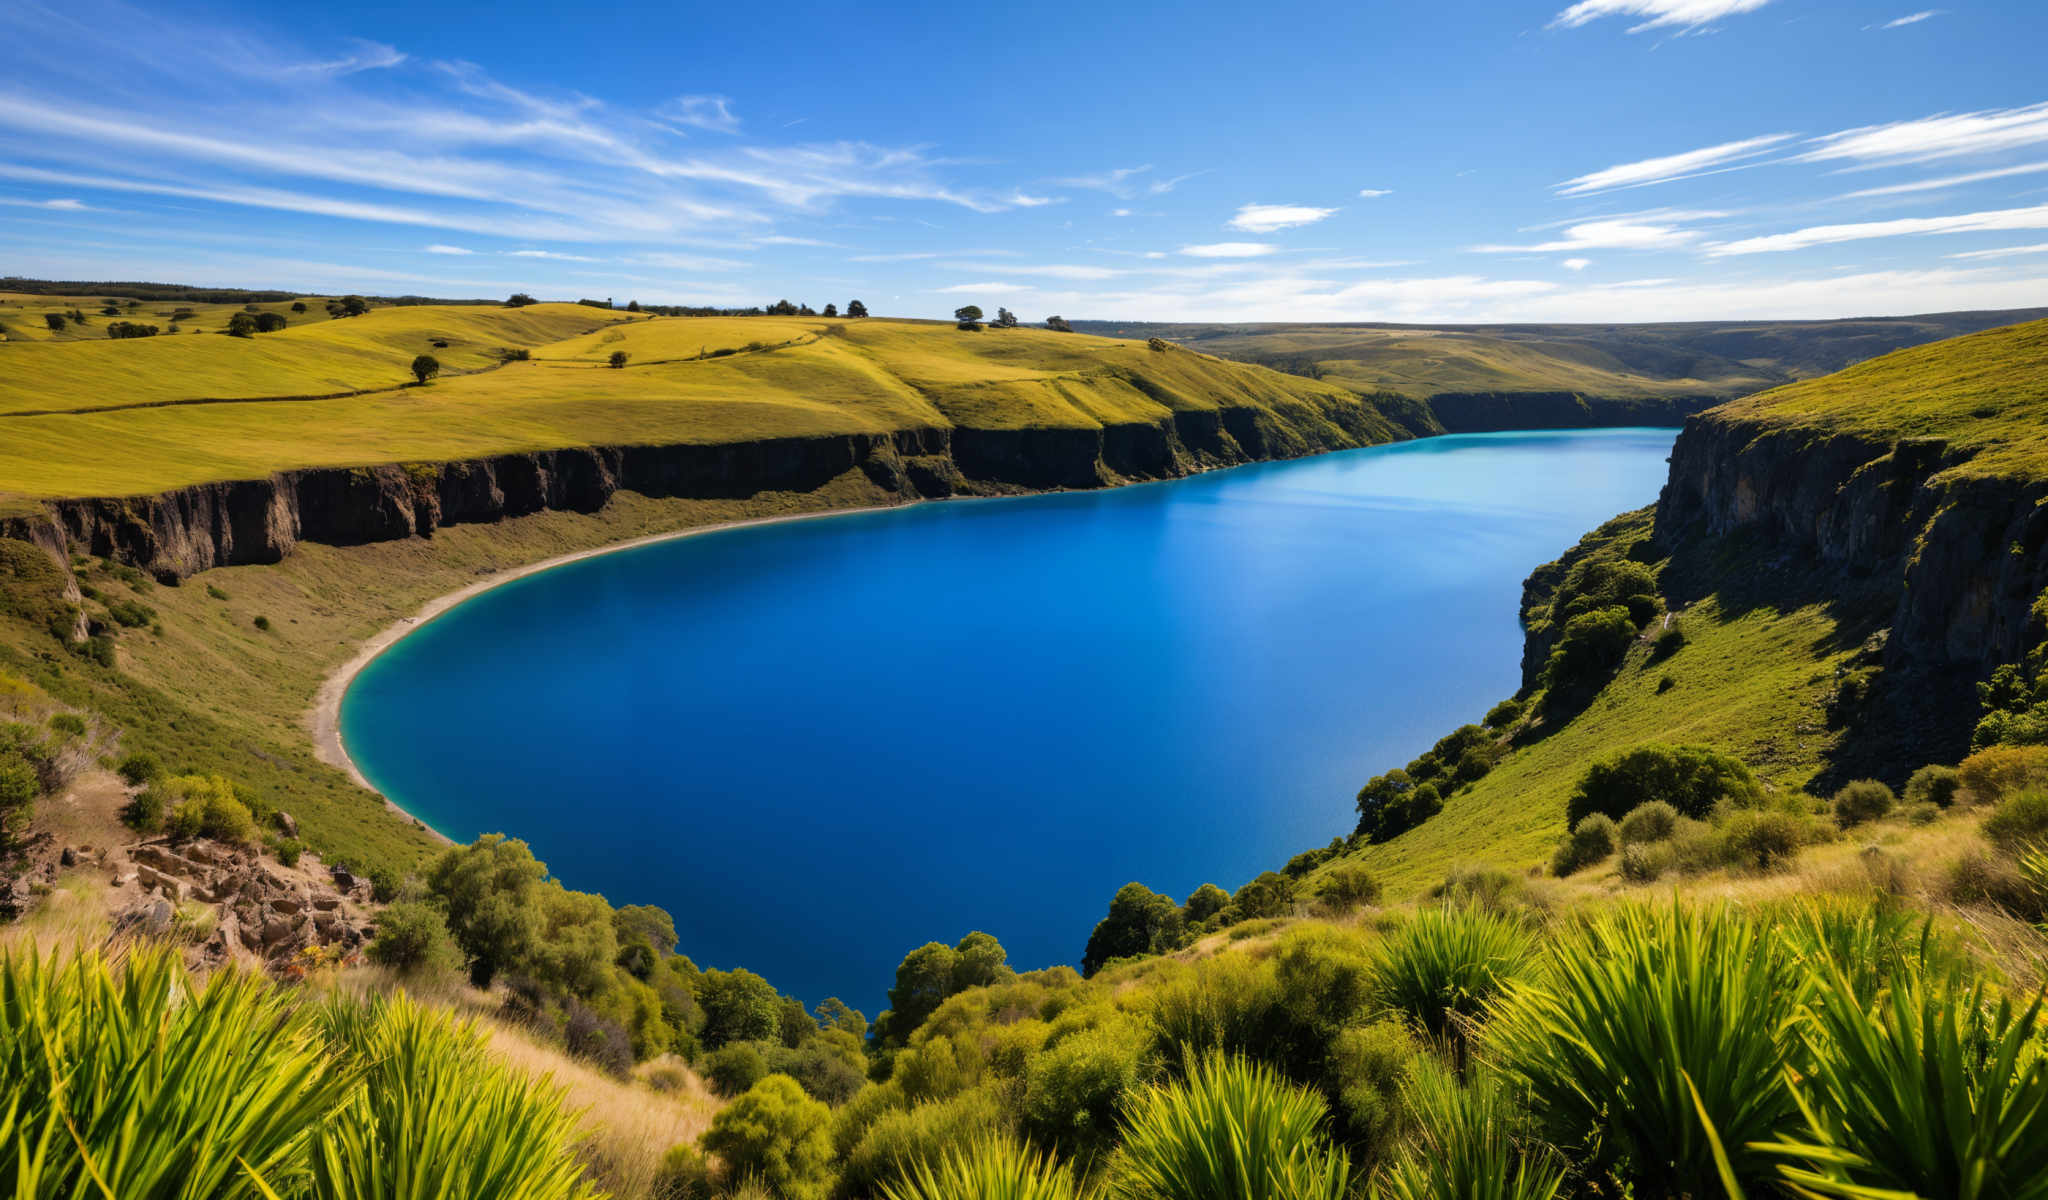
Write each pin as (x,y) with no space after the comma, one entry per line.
(1995,220)
(443,248)
(687,262)
(713,113)
(1908,19)
(1026,200)
(962,289)
(1605,235)
(1120,212)
(1374,193)
(1944,135)
(1271,218)
(1577,264)
(779,239)
(368,56)
(2004,252)
(1159,187)
(1045,270)
(1229,250)
(1662,14)
(1669,167)
(552,256)
(1121,182)
(1947,181)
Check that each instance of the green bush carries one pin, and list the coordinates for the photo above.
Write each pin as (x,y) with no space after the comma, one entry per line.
(734,1068)
(1344,886)
(1442,968)
(1368,1067)
(1648,1020)
(288,851)
(777,1134)
(205,806)
(1229,1003)
(2020,821)
(1269,895)
(19,787)
(1504,714)
(412,937)
(1933,784)
(1990,775)
(683,1175)
(1691,779)
(138,769)
(1591,840)
(1645,862)
(882,1145)
(1863,800)
(1074,1090)
(1591,646)
(1234,1129)
(68,725)
(1763,839)
(1140,921)
(1652,821)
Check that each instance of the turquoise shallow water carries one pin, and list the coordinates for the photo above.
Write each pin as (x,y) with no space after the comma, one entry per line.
(824,743)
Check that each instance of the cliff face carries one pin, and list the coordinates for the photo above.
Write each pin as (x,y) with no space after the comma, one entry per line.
(1964,551)
(1486,412)
(177,533)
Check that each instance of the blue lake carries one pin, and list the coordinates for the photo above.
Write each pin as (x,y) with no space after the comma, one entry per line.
(823,743)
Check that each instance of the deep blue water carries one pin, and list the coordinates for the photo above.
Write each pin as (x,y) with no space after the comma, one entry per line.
(824,743)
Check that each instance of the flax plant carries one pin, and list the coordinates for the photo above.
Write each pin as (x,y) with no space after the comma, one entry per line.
(1234,1130)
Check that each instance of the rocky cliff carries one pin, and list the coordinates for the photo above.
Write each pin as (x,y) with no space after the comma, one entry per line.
(1485,412)
(174,534)
(1962,549)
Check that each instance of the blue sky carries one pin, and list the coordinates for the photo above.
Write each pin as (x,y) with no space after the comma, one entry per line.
(1457,160)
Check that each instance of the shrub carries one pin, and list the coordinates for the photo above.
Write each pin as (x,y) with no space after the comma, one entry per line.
(1933,784)
(205,806)
(1140,921)
(1504,714)
(683,1175)
(138,768)
(1990,775)
(1269,895)
(144,812)
(995,1169)
(1645,862)
(1203,903)
(1763,839)
(1469,1145)
(1993,880)
(1368,1065)
(778,1134)
(2019,822)
(734,1068)
(288,851)
(412,937)
(1591,646)
(1234,1129)
(1442,968)
(1651,821)
(897,1138)
(1692,779)
(1863,800)
(1651,1020)
(1591,840)
(617,360)
(263,623)
(1345,886)
(597,1039)
(1228,1003)
(1074,1090)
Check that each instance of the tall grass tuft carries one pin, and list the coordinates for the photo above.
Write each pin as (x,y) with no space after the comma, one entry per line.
(1641,1006)
(1933,1090)
(127,1080)
(991,1169)
(1471,1143)
(1234,1129)
(434,1117)
(1442,968)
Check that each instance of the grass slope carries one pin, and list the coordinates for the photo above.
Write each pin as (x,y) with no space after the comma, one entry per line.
(687,380)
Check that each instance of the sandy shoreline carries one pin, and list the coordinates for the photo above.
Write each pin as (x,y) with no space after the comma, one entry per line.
(324,721)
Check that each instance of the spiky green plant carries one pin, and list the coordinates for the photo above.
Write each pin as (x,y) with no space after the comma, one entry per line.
(1871,941)
(997,1168)
(1234,1130)
(1641,1007)
(435,1118)
(1934,1090)
(1472,1142)
(127,1080)
(1442,967)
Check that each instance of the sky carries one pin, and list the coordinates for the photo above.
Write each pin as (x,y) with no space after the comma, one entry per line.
(1450,161)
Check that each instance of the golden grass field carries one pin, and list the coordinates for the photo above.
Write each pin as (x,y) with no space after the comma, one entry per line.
(134,416)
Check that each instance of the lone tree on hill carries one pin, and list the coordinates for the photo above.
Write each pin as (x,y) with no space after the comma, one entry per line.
(831,310)
(425,367)
(855,308)
(618,359)
(1058,325)
(298,306)
(55,321)
(269,322)
(969,316)
(241,325)
(519,300)
(1005,319)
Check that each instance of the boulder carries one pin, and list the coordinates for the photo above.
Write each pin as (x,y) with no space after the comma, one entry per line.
(288,826)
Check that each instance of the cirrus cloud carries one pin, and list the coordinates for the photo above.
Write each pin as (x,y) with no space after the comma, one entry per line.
(1271,218)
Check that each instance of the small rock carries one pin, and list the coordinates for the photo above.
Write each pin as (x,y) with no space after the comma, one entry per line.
(69,858)
(285,823)
(286,904)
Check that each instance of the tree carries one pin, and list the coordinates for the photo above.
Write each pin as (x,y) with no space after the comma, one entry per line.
(425,367)
(632,306)
(739,1006)
(782,308)
(618,359)
(298,306)
(831,310)
(1005,319)
(1270,895)
(855,308)
(1690,779)
(412,936)
(834,1013)
(574,947)
(241,325)
(1140,921)
(1058,325)
(55,321)
(969,316)
(488,887)
(1204,902)
(646,935)
(269,322)
(519,300)
(354,306)
(778,1135)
